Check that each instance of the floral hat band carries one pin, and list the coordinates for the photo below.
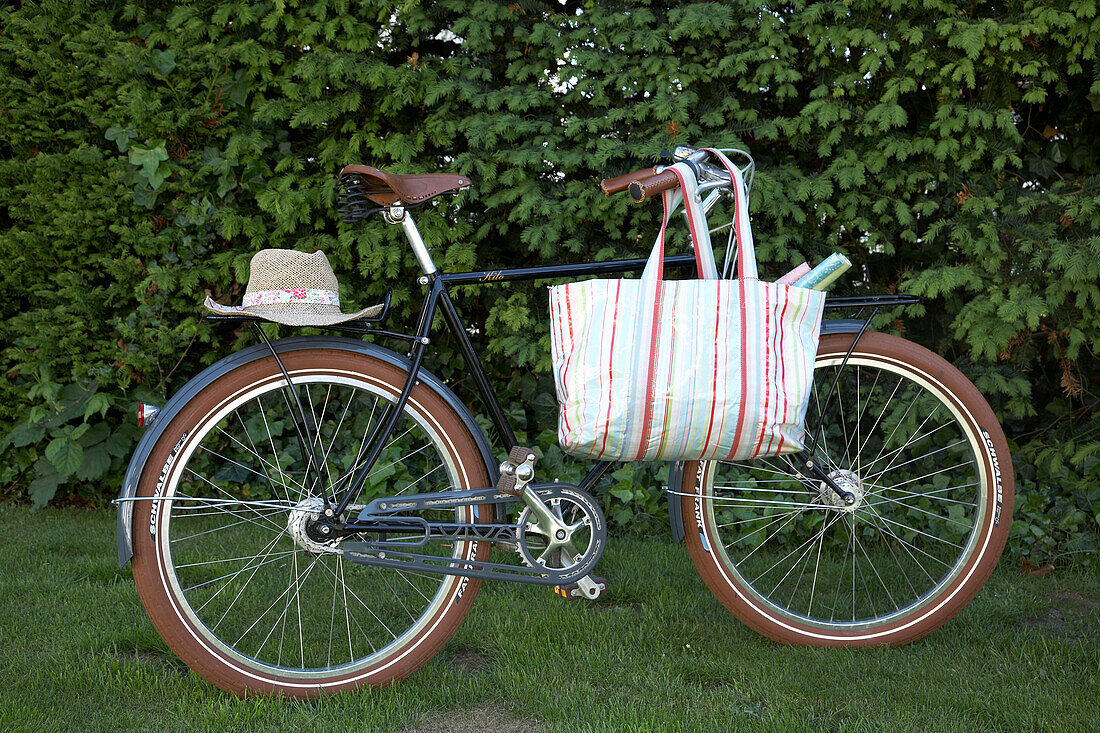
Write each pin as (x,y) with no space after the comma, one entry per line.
(292,287)
(270,297)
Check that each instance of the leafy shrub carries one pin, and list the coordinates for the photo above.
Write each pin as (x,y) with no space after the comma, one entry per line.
(149,149)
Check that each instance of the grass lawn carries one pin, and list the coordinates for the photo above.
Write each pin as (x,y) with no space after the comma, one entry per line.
(77,653)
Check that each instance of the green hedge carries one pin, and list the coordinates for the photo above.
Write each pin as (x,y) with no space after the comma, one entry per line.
(149,149)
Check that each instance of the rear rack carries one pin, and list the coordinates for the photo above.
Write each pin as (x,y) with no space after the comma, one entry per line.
(357,326)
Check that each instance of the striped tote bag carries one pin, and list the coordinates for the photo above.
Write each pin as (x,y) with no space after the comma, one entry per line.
(649,369)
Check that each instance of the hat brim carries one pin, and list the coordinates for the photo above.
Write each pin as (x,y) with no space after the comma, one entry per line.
(289,317)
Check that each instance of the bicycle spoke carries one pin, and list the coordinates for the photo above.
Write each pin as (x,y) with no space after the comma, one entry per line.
(764,503)
(907,546)
(874,569)
(934,494)
(821,423)
(273,526)
(911,441)
(840,579)
(363,460)
(336,433)
(255,452)
(871,429)
(350,618)
(332,623)
(791,518)
(274,452)
(258,457)
(778,517)
(347,613)
(265,559)
(951,469)
(859,418)
(898,424)
(768,491)
(890,548)
(367,608)
(295,415)
(224,527)
(908,528)
(319,442)
(894,453)
(817,567)
(281,620)
(808,544)
(265,553)
(888,500)
(839,395)
(422,477)
(862,576)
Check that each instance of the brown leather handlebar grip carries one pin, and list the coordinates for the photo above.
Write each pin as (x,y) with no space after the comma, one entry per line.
(643,188)
(621,183)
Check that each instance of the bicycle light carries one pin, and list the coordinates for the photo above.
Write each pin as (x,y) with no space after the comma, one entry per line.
(147,413)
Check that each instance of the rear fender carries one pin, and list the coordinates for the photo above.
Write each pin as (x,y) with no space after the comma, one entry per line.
(124,522)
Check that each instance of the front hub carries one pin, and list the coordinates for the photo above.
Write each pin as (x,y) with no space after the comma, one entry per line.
(848,481)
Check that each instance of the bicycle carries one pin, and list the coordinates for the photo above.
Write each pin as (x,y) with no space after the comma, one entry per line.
(316,513)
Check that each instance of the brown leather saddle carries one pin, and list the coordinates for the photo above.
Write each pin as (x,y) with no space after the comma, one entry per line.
(389,189)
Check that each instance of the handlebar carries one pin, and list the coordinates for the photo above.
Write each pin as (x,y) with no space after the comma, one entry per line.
(621,183)
(643,188)
(648,182)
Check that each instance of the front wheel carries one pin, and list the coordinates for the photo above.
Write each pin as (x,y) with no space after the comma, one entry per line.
(928,463)
(224,558)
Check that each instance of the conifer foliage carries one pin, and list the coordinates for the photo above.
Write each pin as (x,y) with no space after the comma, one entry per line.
(150,148)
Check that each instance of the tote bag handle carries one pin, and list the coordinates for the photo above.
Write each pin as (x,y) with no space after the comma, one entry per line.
(687,193)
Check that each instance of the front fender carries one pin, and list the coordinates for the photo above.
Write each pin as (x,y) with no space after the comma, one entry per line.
(124,522)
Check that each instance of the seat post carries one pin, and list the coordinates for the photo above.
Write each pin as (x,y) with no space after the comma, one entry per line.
(398,215)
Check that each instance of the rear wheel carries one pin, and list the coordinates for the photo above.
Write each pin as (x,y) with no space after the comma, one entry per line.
(929,465)
(223,561)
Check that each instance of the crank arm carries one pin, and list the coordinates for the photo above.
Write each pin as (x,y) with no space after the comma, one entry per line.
(365,553)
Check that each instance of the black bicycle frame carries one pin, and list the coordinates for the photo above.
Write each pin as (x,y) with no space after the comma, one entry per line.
(438,299)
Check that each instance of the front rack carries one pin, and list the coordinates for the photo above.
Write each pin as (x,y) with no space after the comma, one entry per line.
(865,307)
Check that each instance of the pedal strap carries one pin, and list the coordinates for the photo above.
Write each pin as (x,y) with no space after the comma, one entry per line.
(518,456)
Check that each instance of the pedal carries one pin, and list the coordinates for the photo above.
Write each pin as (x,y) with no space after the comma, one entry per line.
(589,587)
(517,471)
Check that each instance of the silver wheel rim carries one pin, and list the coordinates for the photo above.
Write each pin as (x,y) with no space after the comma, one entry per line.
(350,615)
(797,566)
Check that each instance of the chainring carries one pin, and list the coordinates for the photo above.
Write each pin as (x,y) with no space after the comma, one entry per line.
(575,537)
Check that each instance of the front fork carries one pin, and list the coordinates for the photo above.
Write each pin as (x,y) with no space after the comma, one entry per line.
(812,470)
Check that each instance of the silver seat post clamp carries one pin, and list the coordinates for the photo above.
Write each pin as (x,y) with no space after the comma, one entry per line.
(394,214)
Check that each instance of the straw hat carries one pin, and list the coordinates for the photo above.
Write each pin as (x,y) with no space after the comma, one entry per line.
(294,288)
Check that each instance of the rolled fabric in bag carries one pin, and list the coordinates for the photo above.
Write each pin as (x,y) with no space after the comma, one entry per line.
(649,369)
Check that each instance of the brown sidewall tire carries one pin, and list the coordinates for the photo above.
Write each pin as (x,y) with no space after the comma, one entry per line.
(177,630)
(998,466)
